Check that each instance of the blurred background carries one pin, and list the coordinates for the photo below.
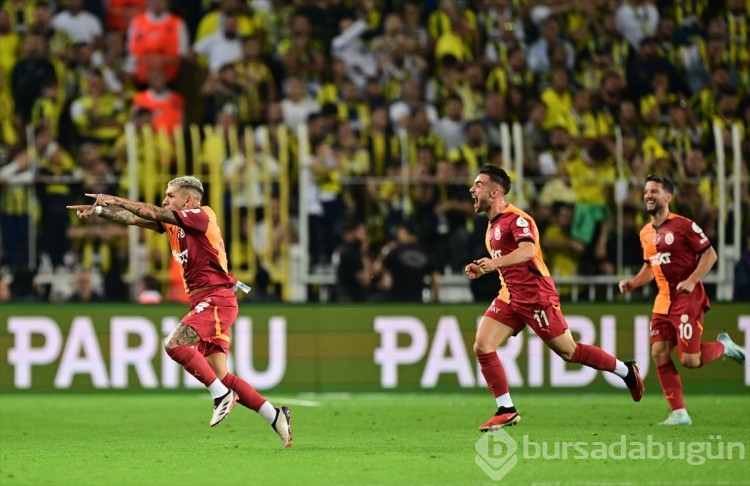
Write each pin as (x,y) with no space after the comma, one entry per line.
(337,140)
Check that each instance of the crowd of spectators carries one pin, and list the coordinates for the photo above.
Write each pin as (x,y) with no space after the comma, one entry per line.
(390,90)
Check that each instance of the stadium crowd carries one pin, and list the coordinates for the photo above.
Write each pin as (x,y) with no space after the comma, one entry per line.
(388,90)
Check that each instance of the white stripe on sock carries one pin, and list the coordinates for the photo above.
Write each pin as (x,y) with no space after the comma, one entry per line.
(621,369)
(218,389)
(268,412)
(504,401)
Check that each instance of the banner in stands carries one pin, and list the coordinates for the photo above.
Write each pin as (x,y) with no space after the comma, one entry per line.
(334,348)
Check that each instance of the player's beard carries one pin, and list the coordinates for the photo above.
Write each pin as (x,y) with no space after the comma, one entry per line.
(657,209)
(482,205)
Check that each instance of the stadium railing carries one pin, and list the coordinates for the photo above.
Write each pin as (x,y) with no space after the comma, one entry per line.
(729,191)
(241,177)
(244,170)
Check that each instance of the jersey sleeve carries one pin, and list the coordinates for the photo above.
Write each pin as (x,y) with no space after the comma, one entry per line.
(644,246)
(695,236)
(192,219)
(522,229)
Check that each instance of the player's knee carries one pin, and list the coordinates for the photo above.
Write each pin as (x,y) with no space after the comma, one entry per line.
(482,348)
(659,356)
(169,345)
(565,348)
(690,361)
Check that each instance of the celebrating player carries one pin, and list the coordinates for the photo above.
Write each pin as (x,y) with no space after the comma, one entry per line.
(200,342)
(527,297)
(677,253)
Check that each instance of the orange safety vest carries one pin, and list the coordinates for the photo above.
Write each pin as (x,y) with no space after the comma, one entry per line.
(120,12)
(167,112)
(155,45)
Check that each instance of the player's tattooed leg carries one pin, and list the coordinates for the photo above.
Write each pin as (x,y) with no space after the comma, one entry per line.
(182,334)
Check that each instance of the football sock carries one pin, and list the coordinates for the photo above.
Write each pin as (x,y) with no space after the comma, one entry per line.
(217,389)
(248,396)
(195,364)
(504,401)
(671,384)
(593,357)
(268,412)
(711,351)
(621,369)
(494,374)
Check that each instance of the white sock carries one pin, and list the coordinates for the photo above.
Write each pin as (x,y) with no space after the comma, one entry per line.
(504,400)
(680,411)
(268,412)
(218,389)
(621,369)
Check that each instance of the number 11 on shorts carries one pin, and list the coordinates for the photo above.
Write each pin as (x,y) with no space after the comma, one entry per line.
(541,318)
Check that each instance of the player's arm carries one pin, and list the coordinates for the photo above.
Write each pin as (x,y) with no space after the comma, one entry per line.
(522,254)
(705,263)
(143,210)
(644,276)
(114,214)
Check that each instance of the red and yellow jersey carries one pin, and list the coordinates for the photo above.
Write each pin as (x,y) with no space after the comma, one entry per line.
(197,245)
(526,283)
(673,250)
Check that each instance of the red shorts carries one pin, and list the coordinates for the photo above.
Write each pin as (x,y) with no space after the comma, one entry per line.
(212,313)
(685,330)
(546,320)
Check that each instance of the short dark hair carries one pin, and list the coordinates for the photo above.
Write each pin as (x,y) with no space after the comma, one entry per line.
(665,182)
(498,176)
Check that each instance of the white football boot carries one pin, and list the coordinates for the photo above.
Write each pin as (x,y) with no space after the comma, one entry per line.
(222,407)
(678,417)
(282,424)
(731,350)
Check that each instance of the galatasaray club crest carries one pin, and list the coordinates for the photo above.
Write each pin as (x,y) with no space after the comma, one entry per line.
(496,235)
(669,238)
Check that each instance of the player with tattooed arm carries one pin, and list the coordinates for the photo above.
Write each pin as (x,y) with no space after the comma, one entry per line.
(200,342)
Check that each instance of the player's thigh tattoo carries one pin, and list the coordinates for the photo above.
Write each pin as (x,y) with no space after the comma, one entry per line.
(182,334)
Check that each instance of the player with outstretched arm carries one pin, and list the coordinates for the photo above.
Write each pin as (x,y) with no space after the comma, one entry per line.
(527,297)
(200,342)
(677,254)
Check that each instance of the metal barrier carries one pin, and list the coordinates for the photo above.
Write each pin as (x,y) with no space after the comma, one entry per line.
(722,275)
(242,168)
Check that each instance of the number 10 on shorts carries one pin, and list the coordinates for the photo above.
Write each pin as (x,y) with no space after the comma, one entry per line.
(686,331)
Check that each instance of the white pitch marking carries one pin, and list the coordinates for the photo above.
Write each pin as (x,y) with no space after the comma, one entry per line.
(295,401)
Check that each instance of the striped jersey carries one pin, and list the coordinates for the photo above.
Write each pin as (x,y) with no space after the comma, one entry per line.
(525,283)
(673,250)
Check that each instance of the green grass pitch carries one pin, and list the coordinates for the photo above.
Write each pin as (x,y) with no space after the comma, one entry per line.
(164,439)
